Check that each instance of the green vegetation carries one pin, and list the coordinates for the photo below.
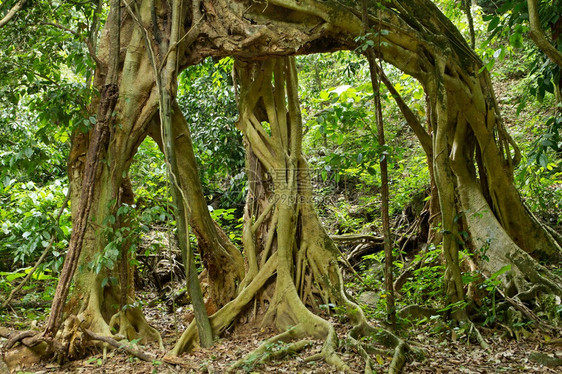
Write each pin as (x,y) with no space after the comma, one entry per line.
(242,147)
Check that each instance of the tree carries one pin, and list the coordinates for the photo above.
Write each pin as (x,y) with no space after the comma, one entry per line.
(473,159)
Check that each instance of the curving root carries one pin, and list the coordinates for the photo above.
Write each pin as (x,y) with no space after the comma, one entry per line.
(400,349)
(485,346)
(133,325)
(224,317)
(270,351)
(126,347)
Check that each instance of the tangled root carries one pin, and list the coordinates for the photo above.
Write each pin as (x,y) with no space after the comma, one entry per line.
(133,326)
(268,350)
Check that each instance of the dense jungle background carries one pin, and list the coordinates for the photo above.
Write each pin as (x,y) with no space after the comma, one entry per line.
(50,58)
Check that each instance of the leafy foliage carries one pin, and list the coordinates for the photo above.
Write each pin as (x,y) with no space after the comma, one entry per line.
(207,100)
(27,222)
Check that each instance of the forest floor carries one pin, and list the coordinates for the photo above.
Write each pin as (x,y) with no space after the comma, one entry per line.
(444,353)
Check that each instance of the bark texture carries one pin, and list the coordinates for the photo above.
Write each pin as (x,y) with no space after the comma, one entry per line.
(291,262)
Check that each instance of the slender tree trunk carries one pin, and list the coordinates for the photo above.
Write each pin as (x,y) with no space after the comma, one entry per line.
(467,8)
(538,36)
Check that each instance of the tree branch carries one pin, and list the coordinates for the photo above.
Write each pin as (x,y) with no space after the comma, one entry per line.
(11,13)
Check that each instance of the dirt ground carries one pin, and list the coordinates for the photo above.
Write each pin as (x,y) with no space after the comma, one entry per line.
(444,353)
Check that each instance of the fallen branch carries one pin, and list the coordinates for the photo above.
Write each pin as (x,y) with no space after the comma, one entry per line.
(13,339)
(356,238)
(28,338)
(363,249)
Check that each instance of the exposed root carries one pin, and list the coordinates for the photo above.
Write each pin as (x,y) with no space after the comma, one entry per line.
(398,359)
(32,348)
(19,338)
(329,354)
(224,317)
(362,352)
(473,329)
(518,305)
(271,350)
(126,347)
(387,339)
(132,325)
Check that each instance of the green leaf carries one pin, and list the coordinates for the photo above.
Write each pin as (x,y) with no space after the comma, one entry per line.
(504,269)
(493,23)
(516,40)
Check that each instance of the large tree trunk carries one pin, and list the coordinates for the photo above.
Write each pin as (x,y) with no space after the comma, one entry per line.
(281,226)
(292,264)
(134,116)
(100,308)
(473,156)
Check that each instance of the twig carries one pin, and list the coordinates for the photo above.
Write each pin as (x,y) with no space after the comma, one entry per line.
(91,48)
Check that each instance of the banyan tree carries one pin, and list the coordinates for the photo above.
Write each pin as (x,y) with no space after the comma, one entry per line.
(288,265)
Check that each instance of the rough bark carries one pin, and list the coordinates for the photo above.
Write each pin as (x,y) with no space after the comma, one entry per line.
(538,35)
(281,223)
(11,13)
(132,113)
(292,264)
(473,156)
